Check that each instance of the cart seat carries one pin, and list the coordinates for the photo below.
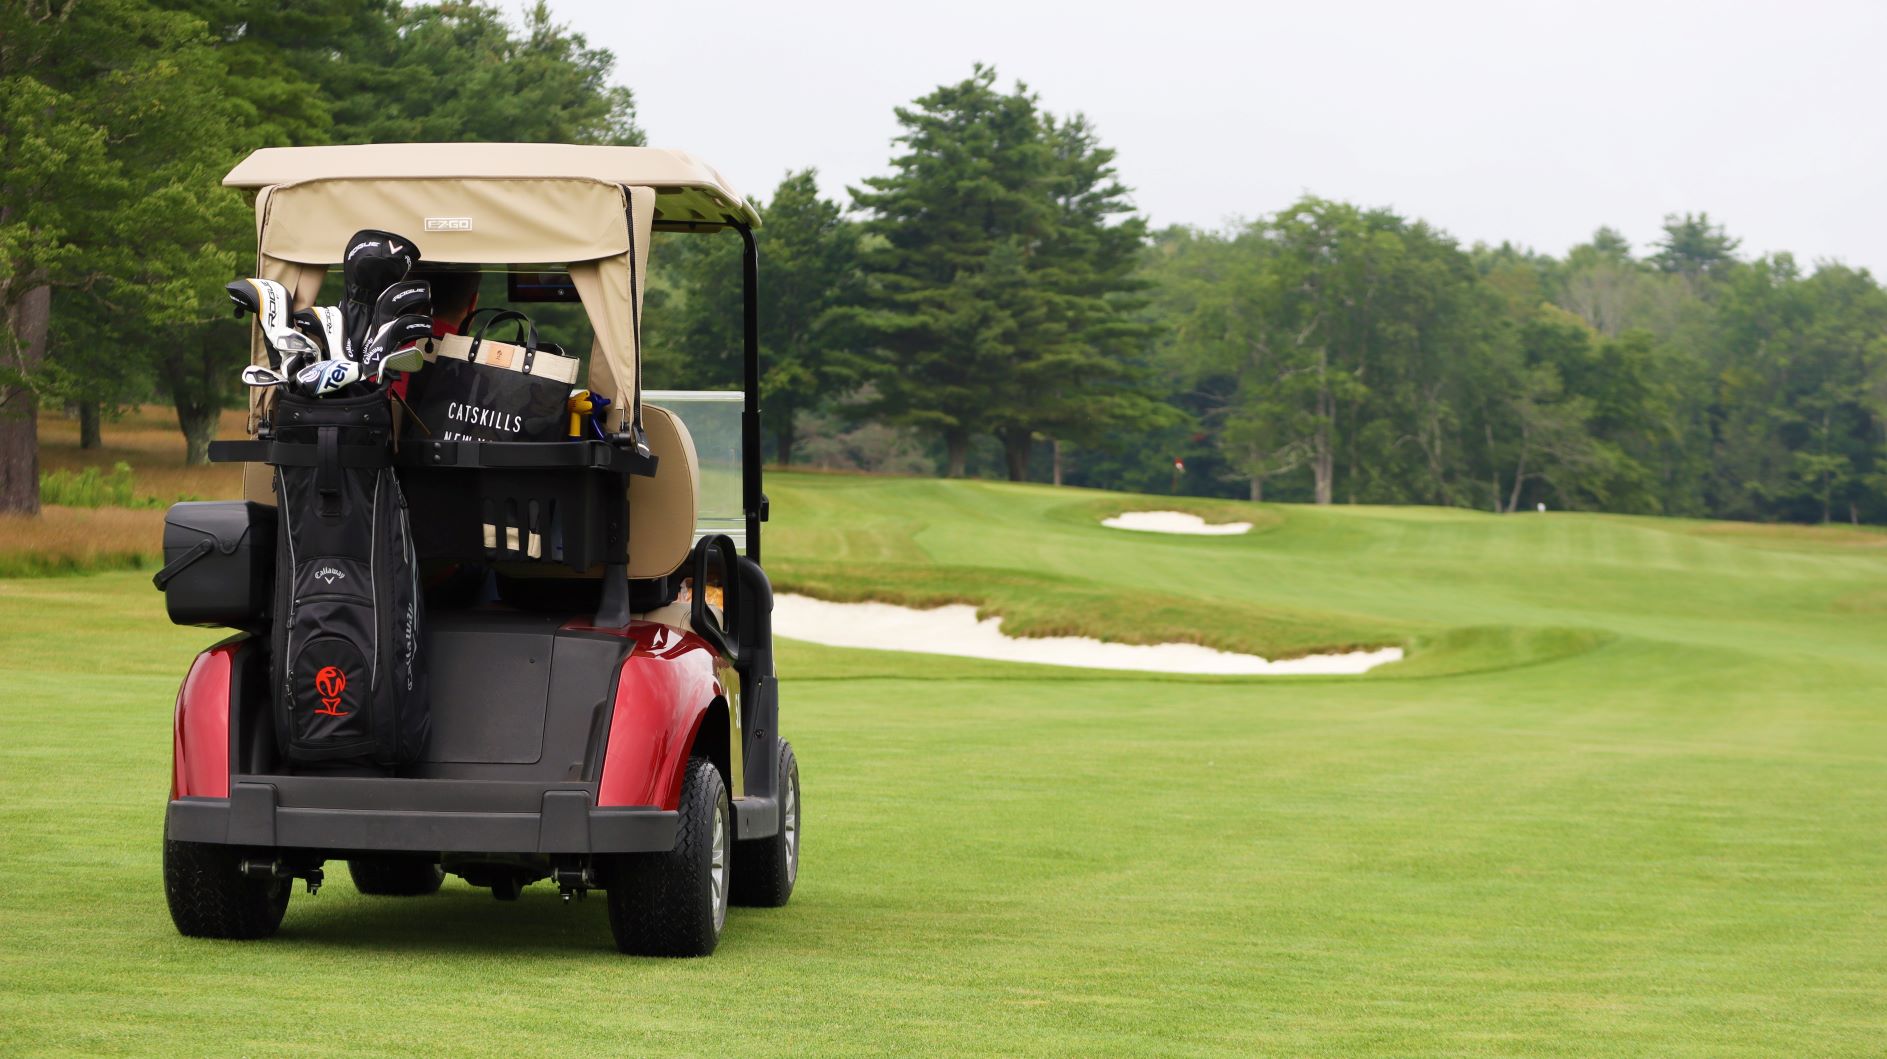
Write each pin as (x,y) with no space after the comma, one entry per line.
(662,508)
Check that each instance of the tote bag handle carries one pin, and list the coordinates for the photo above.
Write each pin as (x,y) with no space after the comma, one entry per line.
(526,328)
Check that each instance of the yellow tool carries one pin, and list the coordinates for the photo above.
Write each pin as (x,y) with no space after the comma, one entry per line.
(579,405)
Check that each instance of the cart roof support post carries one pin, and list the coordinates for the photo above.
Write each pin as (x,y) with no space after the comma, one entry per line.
(752,499)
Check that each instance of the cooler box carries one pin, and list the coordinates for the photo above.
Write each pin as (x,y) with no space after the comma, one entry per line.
(219,563)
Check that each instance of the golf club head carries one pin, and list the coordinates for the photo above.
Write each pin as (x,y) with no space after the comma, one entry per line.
(374,260)
(324,378)
(392,341)
(257,376)
(308,322)
(289,342)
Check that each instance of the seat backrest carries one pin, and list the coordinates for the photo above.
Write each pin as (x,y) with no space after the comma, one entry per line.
(662,509)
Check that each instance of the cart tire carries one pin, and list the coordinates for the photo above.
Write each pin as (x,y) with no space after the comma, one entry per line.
(766,868)
(396,875)
(209,896)
(675,903)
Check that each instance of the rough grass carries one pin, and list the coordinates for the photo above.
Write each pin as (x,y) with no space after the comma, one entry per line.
(147,438)
(66,540)
(1626,798)
(69,540)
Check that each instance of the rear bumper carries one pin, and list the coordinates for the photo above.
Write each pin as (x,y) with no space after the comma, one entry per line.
(557,820)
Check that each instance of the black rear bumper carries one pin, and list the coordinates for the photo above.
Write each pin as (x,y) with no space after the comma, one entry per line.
(419,816)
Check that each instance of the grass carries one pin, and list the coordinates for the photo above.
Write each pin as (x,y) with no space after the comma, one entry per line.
(1626,797)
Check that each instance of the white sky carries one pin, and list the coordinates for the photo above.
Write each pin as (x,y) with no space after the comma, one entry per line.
(1531,122)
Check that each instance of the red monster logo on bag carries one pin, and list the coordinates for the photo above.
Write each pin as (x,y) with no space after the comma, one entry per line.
(329,683)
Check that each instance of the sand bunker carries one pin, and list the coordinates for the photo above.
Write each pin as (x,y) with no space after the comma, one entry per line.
(1174,522)
(955,630)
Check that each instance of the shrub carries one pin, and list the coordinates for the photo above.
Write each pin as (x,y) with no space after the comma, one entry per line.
(89,488)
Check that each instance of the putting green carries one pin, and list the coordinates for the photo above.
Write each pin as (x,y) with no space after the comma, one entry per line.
(1626,797)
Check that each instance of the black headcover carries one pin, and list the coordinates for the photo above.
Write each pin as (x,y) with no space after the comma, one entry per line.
(374,261)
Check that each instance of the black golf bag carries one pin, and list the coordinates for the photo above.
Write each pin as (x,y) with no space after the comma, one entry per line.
(349,679)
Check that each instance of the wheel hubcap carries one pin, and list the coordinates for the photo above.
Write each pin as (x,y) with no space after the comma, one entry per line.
(717,866)
(789,821)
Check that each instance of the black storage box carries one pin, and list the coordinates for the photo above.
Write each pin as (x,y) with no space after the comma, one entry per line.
(219,563)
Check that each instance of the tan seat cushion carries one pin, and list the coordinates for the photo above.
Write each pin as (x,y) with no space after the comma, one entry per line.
(662,509)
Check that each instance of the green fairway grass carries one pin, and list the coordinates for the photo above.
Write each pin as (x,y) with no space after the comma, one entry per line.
(1626,796)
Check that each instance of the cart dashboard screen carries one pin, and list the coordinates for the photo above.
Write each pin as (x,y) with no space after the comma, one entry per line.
(541,287)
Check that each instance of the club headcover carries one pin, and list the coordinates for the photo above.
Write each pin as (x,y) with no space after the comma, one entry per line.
(375,260)
(325,377)
(269,301)
(393,346)
(308,322)
(408,297)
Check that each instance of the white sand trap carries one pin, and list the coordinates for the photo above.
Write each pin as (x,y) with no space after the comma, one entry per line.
(1174,522)
(954,630)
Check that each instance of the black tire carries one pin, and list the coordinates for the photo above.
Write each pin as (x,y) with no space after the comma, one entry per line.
(396,874)
(666,904)
(766,868)
(210,897)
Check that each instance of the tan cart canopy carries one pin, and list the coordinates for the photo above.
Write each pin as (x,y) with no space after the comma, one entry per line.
(588,207)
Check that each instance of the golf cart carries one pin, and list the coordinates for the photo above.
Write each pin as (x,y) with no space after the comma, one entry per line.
(603,709)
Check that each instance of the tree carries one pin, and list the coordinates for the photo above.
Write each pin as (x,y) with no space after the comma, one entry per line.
(1079,374)
(966,201)
(999,281)
(1694,248)
(456,71)
(809,253)
(114,123)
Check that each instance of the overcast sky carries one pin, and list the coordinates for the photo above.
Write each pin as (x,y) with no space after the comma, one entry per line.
(1529,122)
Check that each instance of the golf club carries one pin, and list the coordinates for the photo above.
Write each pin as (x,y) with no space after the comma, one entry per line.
(258,376)
(308,322)
(392,346)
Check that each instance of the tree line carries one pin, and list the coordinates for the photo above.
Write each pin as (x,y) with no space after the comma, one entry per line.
(994,303)
(991,303)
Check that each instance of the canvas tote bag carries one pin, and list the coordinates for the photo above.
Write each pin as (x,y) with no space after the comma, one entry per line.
(479,389)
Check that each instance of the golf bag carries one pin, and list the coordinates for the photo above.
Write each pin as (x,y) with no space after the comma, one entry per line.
(349,681)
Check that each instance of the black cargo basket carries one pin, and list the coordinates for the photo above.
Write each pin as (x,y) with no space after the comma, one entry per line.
(553,502)
(563,502)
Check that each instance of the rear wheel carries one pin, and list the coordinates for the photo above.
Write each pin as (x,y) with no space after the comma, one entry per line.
(210,897)
(675,903)
(766,868)
(396,874)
